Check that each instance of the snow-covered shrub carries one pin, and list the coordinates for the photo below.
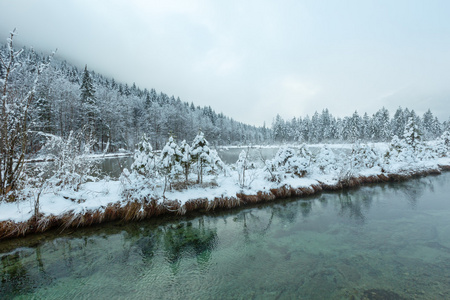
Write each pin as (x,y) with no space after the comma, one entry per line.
(445,137)
(399,152)
(242,164)
(442,147)
(304,153)
(425,151)
(216,164)
(136,186)
(391,154)
(287,162)
(326,161)
(363,156)
(68,161)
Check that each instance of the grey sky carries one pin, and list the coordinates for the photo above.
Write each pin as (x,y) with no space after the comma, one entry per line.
(254,59)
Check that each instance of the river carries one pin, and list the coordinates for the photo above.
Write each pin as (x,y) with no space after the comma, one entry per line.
(388,241)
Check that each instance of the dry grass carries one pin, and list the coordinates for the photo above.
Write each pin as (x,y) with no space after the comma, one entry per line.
(149,208)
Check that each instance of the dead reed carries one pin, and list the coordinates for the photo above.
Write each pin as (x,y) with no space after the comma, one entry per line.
(149,208)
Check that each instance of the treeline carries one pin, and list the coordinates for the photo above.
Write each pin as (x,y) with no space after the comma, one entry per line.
(69,99)
(380,127)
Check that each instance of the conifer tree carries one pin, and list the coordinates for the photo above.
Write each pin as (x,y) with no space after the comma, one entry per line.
(186,159)
(411,133)
(88,100)
(144,160)
(200,154)
(170,162)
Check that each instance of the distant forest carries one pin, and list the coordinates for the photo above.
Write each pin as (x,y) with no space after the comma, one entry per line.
(380,127)
(69,99)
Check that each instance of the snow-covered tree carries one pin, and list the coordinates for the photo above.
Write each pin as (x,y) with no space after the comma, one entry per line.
(88,100)
(14,120)
(216,164)
(200,154)
(412,135)
(381,129)
(186,159)
(170,162)
(428,124)
(143,178)
(399,151)
(242,164)
(351,127)
(145,162)
(398,122)
(279,129)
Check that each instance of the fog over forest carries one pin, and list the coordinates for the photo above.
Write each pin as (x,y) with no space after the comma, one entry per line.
(71,99)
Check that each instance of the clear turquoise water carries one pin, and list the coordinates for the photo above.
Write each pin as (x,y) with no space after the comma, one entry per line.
(387,241)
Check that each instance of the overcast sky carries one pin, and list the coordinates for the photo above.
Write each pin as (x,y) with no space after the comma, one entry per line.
(254,59)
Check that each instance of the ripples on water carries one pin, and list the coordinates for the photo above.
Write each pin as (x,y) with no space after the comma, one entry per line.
(387,241)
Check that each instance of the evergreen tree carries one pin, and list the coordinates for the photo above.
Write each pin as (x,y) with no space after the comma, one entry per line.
(412,133)
(186,159)
(279,129)
(428,124)
(366,128)
(144,159)
(88,100)
(200,154)
(170,162)
(326,121)
(398,122)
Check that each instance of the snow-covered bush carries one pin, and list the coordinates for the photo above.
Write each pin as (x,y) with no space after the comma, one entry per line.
(242,164)
(304,153)
(425,151)
(68,161)
(363,156)
(287,163)
(399,155)
(326,161)
(442,146)
(399,151)
(216,164)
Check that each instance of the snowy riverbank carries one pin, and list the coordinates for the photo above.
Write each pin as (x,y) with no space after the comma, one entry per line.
(103,201)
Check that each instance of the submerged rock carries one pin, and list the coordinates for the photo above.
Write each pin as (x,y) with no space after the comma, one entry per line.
(380,294)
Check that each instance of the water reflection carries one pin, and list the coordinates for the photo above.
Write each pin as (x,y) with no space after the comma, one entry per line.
(354,207)
(335,245)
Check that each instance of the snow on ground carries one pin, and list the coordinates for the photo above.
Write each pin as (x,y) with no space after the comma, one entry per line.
(97,195)
(92,196)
